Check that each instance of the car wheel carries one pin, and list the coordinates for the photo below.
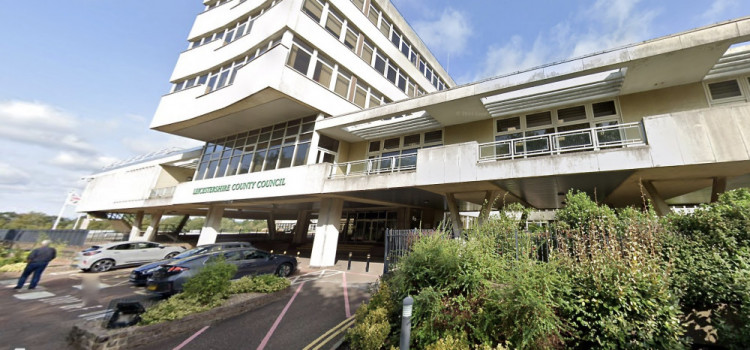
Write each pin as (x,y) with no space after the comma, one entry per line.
(103,265)
(284,270)
(171,255)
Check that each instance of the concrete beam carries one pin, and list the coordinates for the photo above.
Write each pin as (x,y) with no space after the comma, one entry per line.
(153,227)
(211,226)
(718,187)
(455,215)
(660,206)
(135,230)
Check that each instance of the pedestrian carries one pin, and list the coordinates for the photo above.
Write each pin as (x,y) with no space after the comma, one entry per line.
(36,263)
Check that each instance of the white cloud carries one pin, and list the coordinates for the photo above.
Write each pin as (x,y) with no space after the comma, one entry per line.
(81,162)
(41,125)
(10,175)
(718,9)
(448,34)
(152,142)
(605,25)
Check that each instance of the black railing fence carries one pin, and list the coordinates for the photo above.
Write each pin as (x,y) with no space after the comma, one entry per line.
(69,237)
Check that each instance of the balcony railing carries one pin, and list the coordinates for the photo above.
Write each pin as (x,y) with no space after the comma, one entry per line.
(373,166)
(164,192)
(613,136)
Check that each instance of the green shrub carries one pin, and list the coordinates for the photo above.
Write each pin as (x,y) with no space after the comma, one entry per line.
(581,213)
(17,267)
(175,308)
(13,256)
(212,283)
(371,329)
(523,310)
(258,284)
(450,343)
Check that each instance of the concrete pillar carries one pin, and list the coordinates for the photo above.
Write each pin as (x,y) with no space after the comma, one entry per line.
(489,202)
(211,227)
(153,227)
(300,228)
(135,230)
(327,233)
(455,215)
(718,187)
(312,155)
(85,223)
(660,206)
(271,224)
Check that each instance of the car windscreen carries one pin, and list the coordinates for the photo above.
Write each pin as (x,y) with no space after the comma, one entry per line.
(191,252)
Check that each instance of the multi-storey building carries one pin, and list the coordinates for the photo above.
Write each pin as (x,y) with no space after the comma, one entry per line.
(337,110)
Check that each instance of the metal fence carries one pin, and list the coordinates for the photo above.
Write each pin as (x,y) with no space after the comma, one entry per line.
(69,237)
(611,136)
(398,244)
(374,166)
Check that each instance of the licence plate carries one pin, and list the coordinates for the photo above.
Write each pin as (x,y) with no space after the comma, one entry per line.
(151,287)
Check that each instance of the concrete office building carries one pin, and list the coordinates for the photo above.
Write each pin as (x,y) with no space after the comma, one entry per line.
(336,110)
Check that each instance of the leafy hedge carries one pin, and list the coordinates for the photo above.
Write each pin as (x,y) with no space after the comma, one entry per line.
(606,279)
(208,289)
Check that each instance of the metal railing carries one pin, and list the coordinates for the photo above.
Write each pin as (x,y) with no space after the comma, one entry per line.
(164,192)
(597,138)
(381,165)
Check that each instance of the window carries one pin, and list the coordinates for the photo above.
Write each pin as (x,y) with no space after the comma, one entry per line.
(299,59)
(403,148)
(334,23)
(603,109)
(570,114)
(323,71)
(724,89)
(314,9)
(350,40)
(342,84)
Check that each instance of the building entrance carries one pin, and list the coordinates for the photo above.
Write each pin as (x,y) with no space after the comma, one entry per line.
(367,226)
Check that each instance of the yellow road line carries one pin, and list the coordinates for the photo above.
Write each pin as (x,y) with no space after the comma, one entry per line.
(335,330)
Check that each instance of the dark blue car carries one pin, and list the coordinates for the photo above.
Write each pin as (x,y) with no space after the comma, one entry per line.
(169,279)
(140,275)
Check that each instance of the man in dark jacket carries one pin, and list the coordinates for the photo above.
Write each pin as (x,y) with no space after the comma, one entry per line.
(36,263)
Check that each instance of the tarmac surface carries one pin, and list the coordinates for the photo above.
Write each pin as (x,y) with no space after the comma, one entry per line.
(314,316)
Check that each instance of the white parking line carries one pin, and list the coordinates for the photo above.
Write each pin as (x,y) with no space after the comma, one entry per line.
(96,315)
(33,295)
(64,272)
(66,299)
(101,286)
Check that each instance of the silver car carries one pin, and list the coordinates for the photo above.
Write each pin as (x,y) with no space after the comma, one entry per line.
(100,258)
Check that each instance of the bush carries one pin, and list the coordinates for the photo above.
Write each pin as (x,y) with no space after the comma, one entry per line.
(212,283)
(258,284)
(12,256)
(175,308)
(203,292)
(17,267)
(371,330)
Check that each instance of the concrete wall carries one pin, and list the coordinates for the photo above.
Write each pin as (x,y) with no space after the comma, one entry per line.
(635,107)
(172,176)
(481,131)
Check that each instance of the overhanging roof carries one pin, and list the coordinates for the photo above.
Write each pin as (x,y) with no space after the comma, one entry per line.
(673,60)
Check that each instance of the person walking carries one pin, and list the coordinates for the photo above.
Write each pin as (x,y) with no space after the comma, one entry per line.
(36,263)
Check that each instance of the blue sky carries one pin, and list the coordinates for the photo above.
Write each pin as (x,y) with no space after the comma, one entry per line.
(82,78)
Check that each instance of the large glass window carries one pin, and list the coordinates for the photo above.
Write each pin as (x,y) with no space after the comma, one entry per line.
(314,9)
(279,146)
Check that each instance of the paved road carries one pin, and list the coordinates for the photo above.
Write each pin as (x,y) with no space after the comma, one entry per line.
(41,319)
(322,300)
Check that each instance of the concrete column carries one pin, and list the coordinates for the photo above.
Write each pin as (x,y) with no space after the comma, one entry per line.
(211,227)
(312,157)
(718,187)
(135,230)
(153,227)
(327,233)
(458,225)
(489,202)
(271,224)
(300,228)
(660,206)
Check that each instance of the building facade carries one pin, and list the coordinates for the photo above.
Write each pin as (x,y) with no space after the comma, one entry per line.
(336,110)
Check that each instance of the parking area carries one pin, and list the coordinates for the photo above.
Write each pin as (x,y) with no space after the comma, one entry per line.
(321,301)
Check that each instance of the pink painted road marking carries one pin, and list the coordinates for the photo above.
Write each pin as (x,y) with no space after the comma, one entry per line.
(278,319)
(188,340)
(346,297)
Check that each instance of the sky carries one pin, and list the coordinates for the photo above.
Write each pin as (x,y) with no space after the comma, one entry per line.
(81,79)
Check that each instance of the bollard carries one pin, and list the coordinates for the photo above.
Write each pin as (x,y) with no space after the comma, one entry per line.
(406,323)
(349,265)
(298,254)
(367,267)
